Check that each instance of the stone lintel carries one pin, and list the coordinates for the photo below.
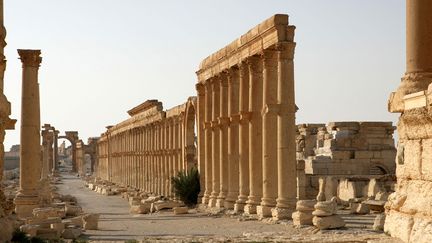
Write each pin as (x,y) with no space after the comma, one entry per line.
(265,35)
(145,106)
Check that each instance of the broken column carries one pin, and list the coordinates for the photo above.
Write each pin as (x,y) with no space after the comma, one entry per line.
(27,198)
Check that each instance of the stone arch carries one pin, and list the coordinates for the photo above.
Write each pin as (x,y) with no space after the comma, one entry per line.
(378,169)
(190,139)
(72,137)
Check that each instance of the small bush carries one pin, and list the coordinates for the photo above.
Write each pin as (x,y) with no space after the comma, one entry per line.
(21,237)
(186,186)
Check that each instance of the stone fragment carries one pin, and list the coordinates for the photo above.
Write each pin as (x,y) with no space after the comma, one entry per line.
(382,196)
(6,229)
(78,221)
(321,213)
(305,205)
(362,208)
(58,226)
(180,210)
(48,234)
(379,222)
(134,201)
(330,222)
(72,210)
(326,206)
(302,218)
(71,233)
(166,205)
(30,229)
(140,209)
(90,221)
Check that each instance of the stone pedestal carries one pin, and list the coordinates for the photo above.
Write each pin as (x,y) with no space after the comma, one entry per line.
(30,158)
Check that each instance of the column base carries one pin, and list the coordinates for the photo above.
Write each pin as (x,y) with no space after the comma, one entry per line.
(281,213)
(239,207)
(229,204)
(212,202)
(250,209)
(205,199)
(24,205)
(220,202)
(264,211)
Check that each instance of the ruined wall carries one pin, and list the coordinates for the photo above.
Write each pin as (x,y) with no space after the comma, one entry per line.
(345,149)
(149,148)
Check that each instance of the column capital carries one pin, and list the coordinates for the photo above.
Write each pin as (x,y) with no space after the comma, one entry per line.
(286,50)
(30,58)
(270,58)
(255,63)
(200,89)
(233,75)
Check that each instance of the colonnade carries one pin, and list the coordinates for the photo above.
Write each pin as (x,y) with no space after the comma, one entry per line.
(148,149)
(246,93)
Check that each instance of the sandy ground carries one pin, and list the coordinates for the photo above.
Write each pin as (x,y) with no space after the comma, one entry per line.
(116,224)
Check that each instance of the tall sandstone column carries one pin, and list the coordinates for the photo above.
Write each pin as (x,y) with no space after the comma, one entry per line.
(215,143)
(233,138)
(200,113)
(207,143)
(255,134)
(27,198)
(223,122)
(286,150)
(244,118)
(269,112)
(55,151)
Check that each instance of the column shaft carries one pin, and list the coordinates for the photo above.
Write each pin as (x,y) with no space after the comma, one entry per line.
(215,143)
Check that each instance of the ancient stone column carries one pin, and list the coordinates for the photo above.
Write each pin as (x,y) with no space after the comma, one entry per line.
(208,143)
(223,122)
(45,151)
(27,198)
(55,151)
(418,74)
(200,113)
(270,117)
(255,134)
(215,143)
(286,154)
(170,155)
(244,118)
(233,138)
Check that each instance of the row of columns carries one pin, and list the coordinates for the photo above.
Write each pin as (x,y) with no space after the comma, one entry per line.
(49,150)
(249,134)
(145,157)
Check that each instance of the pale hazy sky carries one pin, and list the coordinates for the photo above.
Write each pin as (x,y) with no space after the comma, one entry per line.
(103,57)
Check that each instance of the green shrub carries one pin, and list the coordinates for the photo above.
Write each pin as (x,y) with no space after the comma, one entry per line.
(186,186)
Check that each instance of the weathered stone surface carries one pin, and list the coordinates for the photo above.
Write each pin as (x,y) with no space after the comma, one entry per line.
(399,225)
(140,209)
(421,231)
(321,213)
(326,206)
(90,221)
(166,205)
(72,210)
(379,222)
(71,233)
(77,221)
(330,222)
(180,210)
(58,226)
(6,229)
(44,213)
(302,218)
(305,205)
(362,208)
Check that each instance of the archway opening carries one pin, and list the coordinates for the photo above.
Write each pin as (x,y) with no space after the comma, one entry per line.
(190,137)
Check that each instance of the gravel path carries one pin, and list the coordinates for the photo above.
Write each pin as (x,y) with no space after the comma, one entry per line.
(116,224)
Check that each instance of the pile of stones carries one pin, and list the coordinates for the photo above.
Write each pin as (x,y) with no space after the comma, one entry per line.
(140,202)
(325,215)
(303,215)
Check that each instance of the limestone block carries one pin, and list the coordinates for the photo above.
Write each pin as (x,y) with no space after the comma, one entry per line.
(58,226)
(302,218)
(71,233)
(78,221)
(140,209)
(398,225)
(44,213)
(364,154)
(44,223)
(321,213)
(72,210)
(159,205)
(411,167)
(151,199)
(48,234)
(305,205)
(330,222)
(30,229)
(379,222)
(422,230)
(426,158)
(90,221)
(180,210)
(134,201)
(362,208)
(326,206)
(281,213)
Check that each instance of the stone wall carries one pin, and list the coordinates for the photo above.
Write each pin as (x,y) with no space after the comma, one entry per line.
(344,149)
(149,148)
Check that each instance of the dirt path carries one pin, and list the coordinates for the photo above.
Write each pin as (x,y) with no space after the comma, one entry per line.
(116,224)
